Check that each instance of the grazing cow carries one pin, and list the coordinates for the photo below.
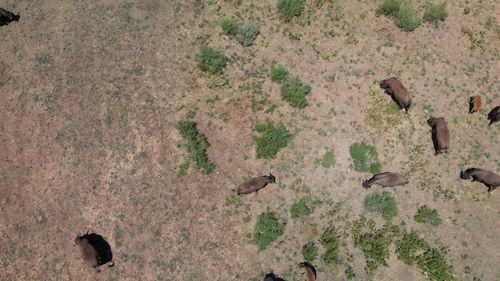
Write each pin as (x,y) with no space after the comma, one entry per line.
(95,251)
(488,178)
(309,271)
(440,134)
(474,104)
(272,277)
(397,91)
(385,179)
(255,184)
(7,17)
(494,115)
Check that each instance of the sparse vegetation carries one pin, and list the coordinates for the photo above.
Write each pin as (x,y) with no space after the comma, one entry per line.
(300,209)
(210,60)
(330,240)
(428,216)
(328,159)
(278,74)
(409,247)
(290,8)
(294,92)
(272,139)
(196,145)
(309,252)
(364,157)
(247,34)
(382,203)
(267,230)
(436,12)
(229,26)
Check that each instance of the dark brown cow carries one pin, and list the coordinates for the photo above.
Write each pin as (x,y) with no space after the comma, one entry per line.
(88,252)
(440,134)
(385,179)
(397,91)
(94,250)
(494,115)
(7,17)
(255,184)
(272,277)
(309,271)
(474,104)
(488,178)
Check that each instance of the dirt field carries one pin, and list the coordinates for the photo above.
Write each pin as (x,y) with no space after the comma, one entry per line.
(91,92)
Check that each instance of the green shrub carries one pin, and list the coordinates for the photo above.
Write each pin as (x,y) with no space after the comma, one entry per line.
(435,13)
(196,145)
(428,216)
(278,74)
(407,17)
(330,240)
(383,203)
(328,159)
(267,230)
(309,252)
(300,209)
(434,264)
(246,34)
(349,273)
(364,157)
(294,92)
(210,60)
(389,7)
(272,139)
(290,8)
(467,10)
(229,27)
(409,247)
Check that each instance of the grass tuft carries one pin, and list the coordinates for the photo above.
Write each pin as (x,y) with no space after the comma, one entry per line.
(364,157)
(210,60)
(409,247)
(294,92)
(428,216)
(300,209)
(196,145)
(389,7)
(246,34)
(435,13)
(229,26)
(330,240)
(290,8)
(309,252)
(382,203)
(407,17)
(267,230)
(272,139)
(278,74)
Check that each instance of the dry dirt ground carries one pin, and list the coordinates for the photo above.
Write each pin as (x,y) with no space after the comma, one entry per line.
(91,92)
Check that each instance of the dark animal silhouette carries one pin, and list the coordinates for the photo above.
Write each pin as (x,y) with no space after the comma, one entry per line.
(440,134)
(95,251)
(255,184)
(272,277)
(494,115)
(397,91)
(474,104)
(488,178)
(385,179)
(7,17)
(309,271)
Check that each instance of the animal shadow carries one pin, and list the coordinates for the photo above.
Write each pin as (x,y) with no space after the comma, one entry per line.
(102,247)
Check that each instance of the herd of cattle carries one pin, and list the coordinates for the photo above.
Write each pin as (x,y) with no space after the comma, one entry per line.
(95,251)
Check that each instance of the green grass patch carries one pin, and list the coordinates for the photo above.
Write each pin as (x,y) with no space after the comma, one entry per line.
(279,74)
(229,26)
(300,209)
(428,216)
(272,139)
(407,17)
(328,159)
(247,34)
(210,60)
(267,230)
(382,114)
(196,145)
(389,7)
(409,247)
(435,13)
(330,240)
(294,92)
(382,203)
(309,252)
(290,8)
(434,264)
(364,157)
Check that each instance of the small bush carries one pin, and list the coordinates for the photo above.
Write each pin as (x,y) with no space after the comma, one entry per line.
(309,252)
(229,27)
(383,203)
(210,60)
(290,8)
(467,10)
(364,157)
(407,17)
(300,209)
(349,273)
(278,74)
(330,240)
(295,92)
(267,230)
(272,139)
(196,145)
(409,247)
(389,7)
(328,159)
(435,13)
(246,34)
(434,264)
(428,216)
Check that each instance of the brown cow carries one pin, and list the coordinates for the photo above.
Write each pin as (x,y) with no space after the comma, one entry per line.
(474,104)
(88,252)
(440,134)
(494,115)
(309,271)
(385,179)
(397,91)
(7,17)
(255,184)
(95,251)
(488,178)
